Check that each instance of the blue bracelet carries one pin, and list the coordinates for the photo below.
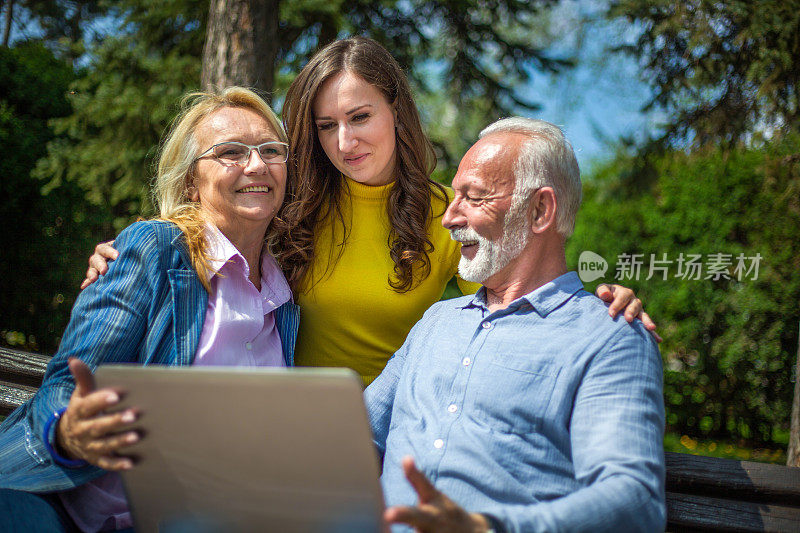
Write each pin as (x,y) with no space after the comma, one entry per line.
(63,461)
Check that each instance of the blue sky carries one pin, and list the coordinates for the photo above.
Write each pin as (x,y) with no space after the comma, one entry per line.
(600,100)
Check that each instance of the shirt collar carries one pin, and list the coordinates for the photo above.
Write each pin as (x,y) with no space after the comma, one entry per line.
(221,251)
(544,299)
(274,286)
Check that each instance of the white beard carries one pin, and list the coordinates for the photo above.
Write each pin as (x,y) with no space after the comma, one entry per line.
(493,256)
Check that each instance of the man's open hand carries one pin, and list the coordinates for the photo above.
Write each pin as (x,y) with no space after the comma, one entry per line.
(435,511)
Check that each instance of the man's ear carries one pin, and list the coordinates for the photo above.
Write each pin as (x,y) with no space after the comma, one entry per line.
(543,210)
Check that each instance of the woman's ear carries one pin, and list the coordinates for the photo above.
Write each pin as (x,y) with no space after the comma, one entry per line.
(191,191)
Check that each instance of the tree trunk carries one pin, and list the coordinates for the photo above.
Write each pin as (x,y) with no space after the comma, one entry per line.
(793,454)
(9,17)
(241,44)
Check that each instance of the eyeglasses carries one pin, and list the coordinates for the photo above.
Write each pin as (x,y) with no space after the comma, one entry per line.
(235,153)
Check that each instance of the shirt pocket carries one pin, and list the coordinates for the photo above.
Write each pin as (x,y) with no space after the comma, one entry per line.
(513,392)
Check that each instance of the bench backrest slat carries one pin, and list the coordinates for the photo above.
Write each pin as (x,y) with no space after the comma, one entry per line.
(13,395)
(726,478)
(22,367)
(689,512)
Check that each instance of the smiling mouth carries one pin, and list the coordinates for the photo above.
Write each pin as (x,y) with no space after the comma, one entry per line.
(468,243)
(255,188)
(355,160)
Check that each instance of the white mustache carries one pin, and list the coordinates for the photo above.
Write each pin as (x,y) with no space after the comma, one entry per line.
(464,234)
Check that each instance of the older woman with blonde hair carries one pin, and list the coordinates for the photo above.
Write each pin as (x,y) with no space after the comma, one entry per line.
(181,289)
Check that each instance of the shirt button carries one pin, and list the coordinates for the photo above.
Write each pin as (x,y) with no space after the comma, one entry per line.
(438,443)
(452,408)
(466,361)
(487,325)
(248,345)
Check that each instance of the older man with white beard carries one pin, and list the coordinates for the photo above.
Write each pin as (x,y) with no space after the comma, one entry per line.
(524,407)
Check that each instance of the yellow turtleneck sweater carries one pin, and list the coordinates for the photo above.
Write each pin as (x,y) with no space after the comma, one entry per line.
(349,315)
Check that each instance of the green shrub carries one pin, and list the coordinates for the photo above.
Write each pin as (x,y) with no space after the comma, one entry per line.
(729,343)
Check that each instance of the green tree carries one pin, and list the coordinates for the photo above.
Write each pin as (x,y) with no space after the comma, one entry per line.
(726,71)
(89,137)
(63,24)
(730,343)
(455,53)
(122,103)
(40,272)
(725,74)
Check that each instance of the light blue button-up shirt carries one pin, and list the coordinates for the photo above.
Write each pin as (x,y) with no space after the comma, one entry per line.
(547,415)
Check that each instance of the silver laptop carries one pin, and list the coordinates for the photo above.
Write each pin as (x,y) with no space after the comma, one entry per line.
(245,449)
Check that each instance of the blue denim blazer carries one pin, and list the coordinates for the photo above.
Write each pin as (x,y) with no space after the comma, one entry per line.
(148,309)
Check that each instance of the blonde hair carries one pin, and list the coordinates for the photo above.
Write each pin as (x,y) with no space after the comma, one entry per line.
(176,165)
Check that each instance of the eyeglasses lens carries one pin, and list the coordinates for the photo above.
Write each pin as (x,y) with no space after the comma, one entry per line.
(237,154)
(273,151)
(231,153)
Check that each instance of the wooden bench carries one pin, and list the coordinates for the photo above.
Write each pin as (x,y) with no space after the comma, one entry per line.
(703,493)
(21,374)
(711,494)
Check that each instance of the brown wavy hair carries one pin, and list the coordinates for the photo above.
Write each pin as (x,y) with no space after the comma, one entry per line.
(315,186)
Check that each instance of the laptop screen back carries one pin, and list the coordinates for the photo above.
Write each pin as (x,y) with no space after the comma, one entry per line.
(245,449)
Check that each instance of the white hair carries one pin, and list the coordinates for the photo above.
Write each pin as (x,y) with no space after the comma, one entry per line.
(545,160)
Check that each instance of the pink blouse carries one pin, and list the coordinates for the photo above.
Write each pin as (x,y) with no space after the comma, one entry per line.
(239,330)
